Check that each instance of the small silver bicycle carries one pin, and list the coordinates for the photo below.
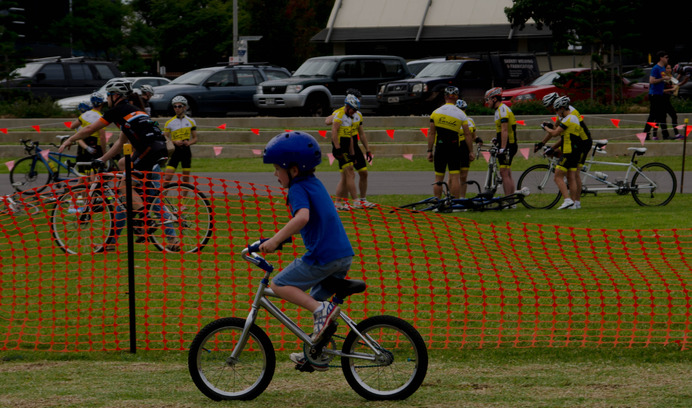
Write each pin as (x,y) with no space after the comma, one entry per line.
(382,357)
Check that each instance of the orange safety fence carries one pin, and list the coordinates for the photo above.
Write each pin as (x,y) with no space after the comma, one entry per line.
(462,284)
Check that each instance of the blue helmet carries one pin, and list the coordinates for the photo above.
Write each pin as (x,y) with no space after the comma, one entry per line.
(352,101)
(96,99)
(293,149)
(461,104)
(83,107)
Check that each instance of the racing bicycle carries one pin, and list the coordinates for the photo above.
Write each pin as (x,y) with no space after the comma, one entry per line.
(382,357)
(652,184)
(33,173)
(83,219)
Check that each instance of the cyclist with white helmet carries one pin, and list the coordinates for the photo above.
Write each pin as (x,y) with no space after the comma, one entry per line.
(92,146)
(344,127)
(360,160)
(147,92)
(451,138)
(182,130)
(570,131)
(148,141)
(506,129)
(328,249)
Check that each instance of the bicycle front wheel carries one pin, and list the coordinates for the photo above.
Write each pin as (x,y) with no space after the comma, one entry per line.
(29,173)
(221,377)
(399,368)
(543,192)
(80,223)
(188,213)
(653,185)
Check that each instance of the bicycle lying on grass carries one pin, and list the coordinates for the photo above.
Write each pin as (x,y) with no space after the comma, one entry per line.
(180,211)
(382,358)
(652,184)
(485,200)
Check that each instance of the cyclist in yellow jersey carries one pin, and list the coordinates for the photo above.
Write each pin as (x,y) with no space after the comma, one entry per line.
(571,135)
(585,138)
(182,130)
(91,147)
(344,151)
(453,150)
(506,128)
(360,160)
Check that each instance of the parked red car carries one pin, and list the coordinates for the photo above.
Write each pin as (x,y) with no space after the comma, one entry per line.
(577,88)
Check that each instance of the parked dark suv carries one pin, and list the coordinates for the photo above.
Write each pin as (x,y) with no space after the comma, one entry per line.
(59,78)
(320,84)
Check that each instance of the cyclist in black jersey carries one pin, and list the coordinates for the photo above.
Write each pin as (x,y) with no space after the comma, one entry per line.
(149,154)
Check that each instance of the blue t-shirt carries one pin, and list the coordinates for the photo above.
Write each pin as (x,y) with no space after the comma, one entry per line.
(657,89)
(324,235)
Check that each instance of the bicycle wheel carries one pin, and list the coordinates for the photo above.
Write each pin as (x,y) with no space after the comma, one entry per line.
(544,193)
(220,377)
(399,369)
(654,185)
(80,223)
(29,173)
(188,212)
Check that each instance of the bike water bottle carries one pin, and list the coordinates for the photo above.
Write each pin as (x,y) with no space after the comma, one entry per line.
(600,175)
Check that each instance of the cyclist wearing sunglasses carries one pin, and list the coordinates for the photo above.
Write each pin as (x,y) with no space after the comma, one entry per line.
(182,130)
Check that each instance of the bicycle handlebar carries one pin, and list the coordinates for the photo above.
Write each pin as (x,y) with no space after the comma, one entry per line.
(250,253)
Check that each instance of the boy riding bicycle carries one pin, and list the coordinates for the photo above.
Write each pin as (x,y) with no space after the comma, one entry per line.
(329,253)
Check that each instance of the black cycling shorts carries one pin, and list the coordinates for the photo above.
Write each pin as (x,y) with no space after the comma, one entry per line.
(447,157)
(183,156)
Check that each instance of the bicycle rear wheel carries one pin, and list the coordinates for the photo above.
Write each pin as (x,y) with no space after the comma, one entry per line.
(79,223)
(29,173)
(397,371)
(188,212)
(653,185)
(217,375)
(544,193)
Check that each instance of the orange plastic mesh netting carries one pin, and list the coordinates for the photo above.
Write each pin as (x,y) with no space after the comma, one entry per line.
(460,283)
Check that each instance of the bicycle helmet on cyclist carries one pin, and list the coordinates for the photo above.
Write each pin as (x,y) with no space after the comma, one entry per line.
(119,86)
(561,102)
(179,99)
(352,101)
(549,99)
(354,92)
(461,104)
(493,92)
(96,99)
(293,149)
(83,107)
(147,89)
(451,90)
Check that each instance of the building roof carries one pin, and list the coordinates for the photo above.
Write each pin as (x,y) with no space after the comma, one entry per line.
(376,20)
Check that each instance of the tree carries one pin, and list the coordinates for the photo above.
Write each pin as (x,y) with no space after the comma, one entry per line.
(9,54)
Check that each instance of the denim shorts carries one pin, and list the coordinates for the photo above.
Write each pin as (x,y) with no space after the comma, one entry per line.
(306,276)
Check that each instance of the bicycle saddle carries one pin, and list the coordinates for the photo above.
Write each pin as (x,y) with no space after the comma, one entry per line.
(343,287)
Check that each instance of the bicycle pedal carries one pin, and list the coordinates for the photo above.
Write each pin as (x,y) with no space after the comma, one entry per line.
(306,367)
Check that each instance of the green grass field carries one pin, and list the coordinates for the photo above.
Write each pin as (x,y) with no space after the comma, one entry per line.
(605,376)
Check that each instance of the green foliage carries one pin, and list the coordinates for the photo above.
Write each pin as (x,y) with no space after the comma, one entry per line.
(31,108)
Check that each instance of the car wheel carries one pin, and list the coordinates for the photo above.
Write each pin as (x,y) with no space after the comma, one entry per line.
(317,105)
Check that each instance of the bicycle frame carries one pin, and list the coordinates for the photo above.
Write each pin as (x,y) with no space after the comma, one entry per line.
(54,175)
(261,299)
(492,175)
(608,185)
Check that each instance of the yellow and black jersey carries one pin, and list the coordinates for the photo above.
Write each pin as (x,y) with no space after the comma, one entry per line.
(586,135)
(348,124)
(89,117)
(503,114)
(356,122)
(180,128)
(571,134)
(448,120)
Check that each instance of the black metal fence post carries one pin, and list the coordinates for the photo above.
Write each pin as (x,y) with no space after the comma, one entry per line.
(127,152)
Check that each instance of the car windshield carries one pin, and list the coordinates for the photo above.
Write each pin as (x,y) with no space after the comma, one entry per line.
(316,68)
(195,77)
(26,71)
(439,69)
(546,79)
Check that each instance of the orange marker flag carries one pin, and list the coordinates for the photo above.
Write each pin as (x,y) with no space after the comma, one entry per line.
(67,124)
(222,127)
(521,122)
(3,130)
(653,124)
(424,131)
(10,165)
(641,137)
(255,131)
(616,122)
(288,130)
(687,133)
(322,133)
(554,118)
(390,132)
(37,128)
(408,157)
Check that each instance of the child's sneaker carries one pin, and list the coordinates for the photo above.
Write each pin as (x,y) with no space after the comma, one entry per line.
(366,204)
(300,359)
(326,314)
